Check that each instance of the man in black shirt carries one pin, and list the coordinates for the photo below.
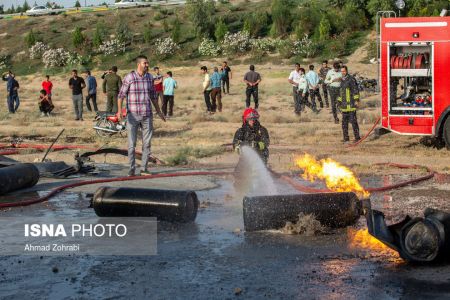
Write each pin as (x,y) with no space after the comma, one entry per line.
(252,79)
(77,85)
(226,76)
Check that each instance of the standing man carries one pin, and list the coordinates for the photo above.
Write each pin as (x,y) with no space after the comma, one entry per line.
(227,75)
(12,91)
(322,74)
(216,93)
(333,81)
(47,85)
(252,79)
(206,89)
(111,88)
(158,84)
(313,85)
(92,91)
(139,92)
(77,85)
(349,102)
(294,79)
(169,85)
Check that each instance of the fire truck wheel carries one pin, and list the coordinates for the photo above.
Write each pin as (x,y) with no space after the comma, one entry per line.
(446,133)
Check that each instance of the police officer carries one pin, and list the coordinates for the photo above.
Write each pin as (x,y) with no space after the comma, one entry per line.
(333,81)
(252,134)
(348,102)
(323,74)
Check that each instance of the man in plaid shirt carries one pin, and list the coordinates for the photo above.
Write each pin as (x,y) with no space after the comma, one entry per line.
(138,90)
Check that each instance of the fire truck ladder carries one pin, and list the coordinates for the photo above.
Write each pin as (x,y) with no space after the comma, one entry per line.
(381,14)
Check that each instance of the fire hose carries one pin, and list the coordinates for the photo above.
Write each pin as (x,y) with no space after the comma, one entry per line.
(290,180)
(366,135)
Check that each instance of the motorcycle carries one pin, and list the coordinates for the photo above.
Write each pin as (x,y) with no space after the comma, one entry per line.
(108,123)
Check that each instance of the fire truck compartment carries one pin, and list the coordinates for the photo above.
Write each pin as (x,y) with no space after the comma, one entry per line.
(411,124)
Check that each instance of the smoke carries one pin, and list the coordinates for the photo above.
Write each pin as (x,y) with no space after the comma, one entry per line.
(252,176)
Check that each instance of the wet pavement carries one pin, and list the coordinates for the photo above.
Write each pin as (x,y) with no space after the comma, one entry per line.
(214,259)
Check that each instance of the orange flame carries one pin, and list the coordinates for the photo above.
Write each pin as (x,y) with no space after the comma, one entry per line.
(362,239)
(337,177)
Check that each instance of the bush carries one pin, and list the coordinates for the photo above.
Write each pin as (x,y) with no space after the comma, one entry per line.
(201,14)
(256,23)
(123,32)
(324,28)
(221,30)
(264,44)
(234,43)
(100,34)
(166,47)
(77,37)
(148,33)
(37,50)
(112,47)
(176,30)
(281,17)
(55,58)
(305,47)
(208,48)
(30,39)
(285,48)
(5,61)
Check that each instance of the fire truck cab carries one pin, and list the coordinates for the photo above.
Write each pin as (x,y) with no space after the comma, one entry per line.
(415,76)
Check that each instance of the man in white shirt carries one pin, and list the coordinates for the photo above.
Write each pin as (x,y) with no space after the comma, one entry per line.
(206,89)
(294,79)
(333,80)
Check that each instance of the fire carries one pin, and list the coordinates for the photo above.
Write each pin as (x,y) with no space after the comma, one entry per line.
(362,239)
(337,177)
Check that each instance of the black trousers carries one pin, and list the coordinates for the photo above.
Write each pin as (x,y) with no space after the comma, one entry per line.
(226,83)
(325,93)
(207,96)
(297,100)
(350,117)
(304,100)
(313,94)
(168,100)
(92,97)
(334,94)
(251,90)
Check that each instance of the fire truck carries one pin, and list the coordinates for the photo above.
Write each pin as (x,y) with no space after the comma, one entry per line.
(415,76)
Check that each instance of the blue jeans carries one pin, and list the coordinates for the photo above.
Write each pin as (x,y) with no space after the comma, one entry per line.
(13,103)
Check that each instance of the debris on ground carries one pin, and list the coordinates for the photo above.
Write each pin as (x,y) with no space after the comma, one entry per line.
(306,225)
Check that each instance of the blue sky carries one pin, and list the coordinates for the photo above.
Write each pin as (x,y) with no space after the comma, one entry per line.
(67,3)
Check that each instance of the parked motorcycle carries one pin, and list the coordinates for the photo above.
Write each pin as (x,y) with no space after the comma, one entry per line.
(108,123)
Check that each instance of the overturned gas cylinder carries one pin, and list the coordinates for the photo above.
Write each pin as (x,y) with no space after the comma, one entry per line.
(165,205)
(18,176)
(272,212)
(417,239)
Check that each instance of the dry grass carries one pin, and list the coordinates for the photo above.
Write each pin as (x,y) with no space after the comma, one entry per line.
(191,128)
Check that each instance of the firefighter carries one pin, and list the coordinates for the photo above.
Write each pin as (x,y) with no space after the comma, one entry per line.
(348,101)
(252,134)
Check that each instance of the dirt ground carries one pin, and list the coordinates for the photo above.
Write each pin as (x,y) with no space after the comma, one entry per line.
(214,258)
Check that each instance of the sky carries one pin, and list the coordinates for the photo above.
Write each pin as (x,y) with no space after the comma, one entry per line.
(66,3)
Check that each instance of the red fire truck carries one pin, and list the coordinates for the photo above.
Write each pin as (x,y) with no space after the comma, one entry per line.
(415,76)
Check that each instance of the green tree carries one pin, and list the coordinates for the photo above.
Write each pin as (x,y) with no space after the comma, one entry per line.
(281,16)
(25,6)
(148,34)
(1,10)
(418,8)
(123,32)
(165,25)
(77,4)
(324,28)
(12,10)
(176,30)
(374,6)
(100,34)
(201,13)
(30,38)
(256,23)
(221,30)
(78,37)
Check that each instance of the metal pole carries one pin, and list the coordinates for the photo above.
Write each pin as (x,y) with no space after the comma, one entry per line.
(381,14)
(48,150)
